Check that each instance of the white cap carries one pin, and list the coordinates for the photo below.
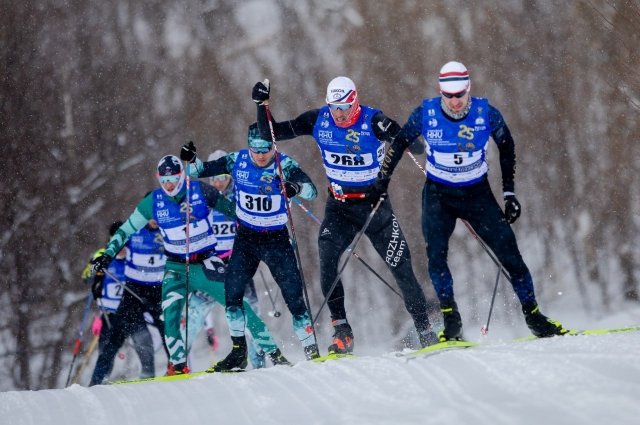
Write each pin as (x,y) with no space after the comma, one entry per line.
(454,78)
(341,90)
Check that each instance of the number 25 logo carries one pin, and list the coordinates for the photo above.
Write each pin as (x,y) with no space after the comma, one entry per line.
(465,132)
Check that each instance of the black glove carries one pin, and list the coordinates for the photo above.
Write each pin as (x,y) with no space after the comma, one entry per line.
(96,288)
(101,262)
(188,152)
(379,188)
(260,92)
(389,127)
(512,208)
(291,189)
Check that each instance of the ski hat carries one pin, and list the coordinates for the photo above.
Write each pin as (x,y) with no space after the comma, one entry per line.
(170,170)
(217,155)
(454,78)
(256,142)
(343,90)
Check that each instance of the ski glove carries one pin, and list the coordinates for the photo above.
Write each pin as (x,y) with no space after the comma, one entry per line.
(291,189)
(188,152)
(260,92)
(101,262)
(389,127)
(512,208)
(379,188)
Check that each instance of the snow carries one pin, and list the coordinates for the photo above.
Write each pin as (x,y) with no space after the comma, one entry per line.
(563,380)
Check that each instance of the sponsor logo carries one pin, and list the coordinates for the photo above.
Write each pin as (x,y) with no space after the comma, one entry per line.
(433,122)
(479,121)
(434,134)
(396,246)
(243,164)
(431,113)
(325,232)
(325,134)
(242,175)
(162,213)
(365,126)
(324,123)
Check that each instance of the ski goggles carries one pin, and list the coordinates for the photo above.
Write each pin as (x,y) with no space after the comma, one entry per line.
(456,95)
(220,177)
(340,106)
(262,150)
(169,179)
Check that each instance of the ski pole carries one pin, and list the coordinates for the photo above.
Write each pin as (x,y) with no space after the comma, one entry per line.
(485,329)
(317,220)
(186,258)
(473,232)
(294,240)
(274,312)
(78,341)
(126,288)
(352,246)
(87,356)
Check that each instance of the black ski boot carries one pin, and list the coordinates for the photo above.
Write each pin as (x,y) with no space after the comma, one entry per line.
(311,352)
(342,338)
(452,323)
(539,324)
(236,360)
(277,358)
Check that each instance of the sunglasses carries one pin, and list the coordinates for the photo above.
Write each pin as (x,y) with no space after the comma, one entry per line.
(220,177)
(169,179)
(260,150)
(340,106)
(456,95)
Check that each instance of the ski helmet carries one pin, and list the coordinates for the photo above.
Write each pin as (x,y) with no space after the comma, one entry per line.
(342,91)
(170,170)
(454,78)
(256,142)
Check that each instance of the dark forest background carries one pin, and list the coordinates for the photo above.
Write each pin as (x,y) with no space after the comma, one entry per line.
(93,93)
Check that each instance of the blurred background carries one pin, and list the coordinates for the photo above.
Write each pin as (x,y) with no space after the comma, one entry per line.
(93,93)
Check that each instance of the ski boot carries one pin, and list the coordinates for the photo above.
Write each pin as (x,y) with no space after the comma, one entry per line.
(427,337)
(277,358)
(311,352)
(539,324)
(236,360)
(177,369)
(342,338)
(452,323)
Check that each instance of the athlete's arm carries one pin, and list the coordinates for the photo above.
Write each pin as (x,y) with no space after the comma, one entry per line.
(136,221)
(300,126)
(506,147)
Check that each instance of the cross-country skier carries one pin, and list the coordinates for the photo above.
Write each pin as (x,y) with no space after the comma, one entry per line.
(351,138)
(167,205)
(262,212)
(457,128)
(200,305)
(143,271)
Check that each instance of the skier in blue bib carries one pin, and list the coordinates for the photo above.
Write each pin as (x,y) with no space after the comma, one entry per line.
(167,205)
(261,210)
(456,128)
(351,138)
(143,271)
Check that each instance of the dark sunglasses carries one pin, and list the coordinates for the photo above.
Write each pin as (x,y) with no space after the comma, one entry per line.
(456,95)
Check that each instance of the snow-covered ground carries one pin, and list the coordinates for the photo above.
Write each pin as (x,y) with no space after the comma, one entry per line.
(568,380)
